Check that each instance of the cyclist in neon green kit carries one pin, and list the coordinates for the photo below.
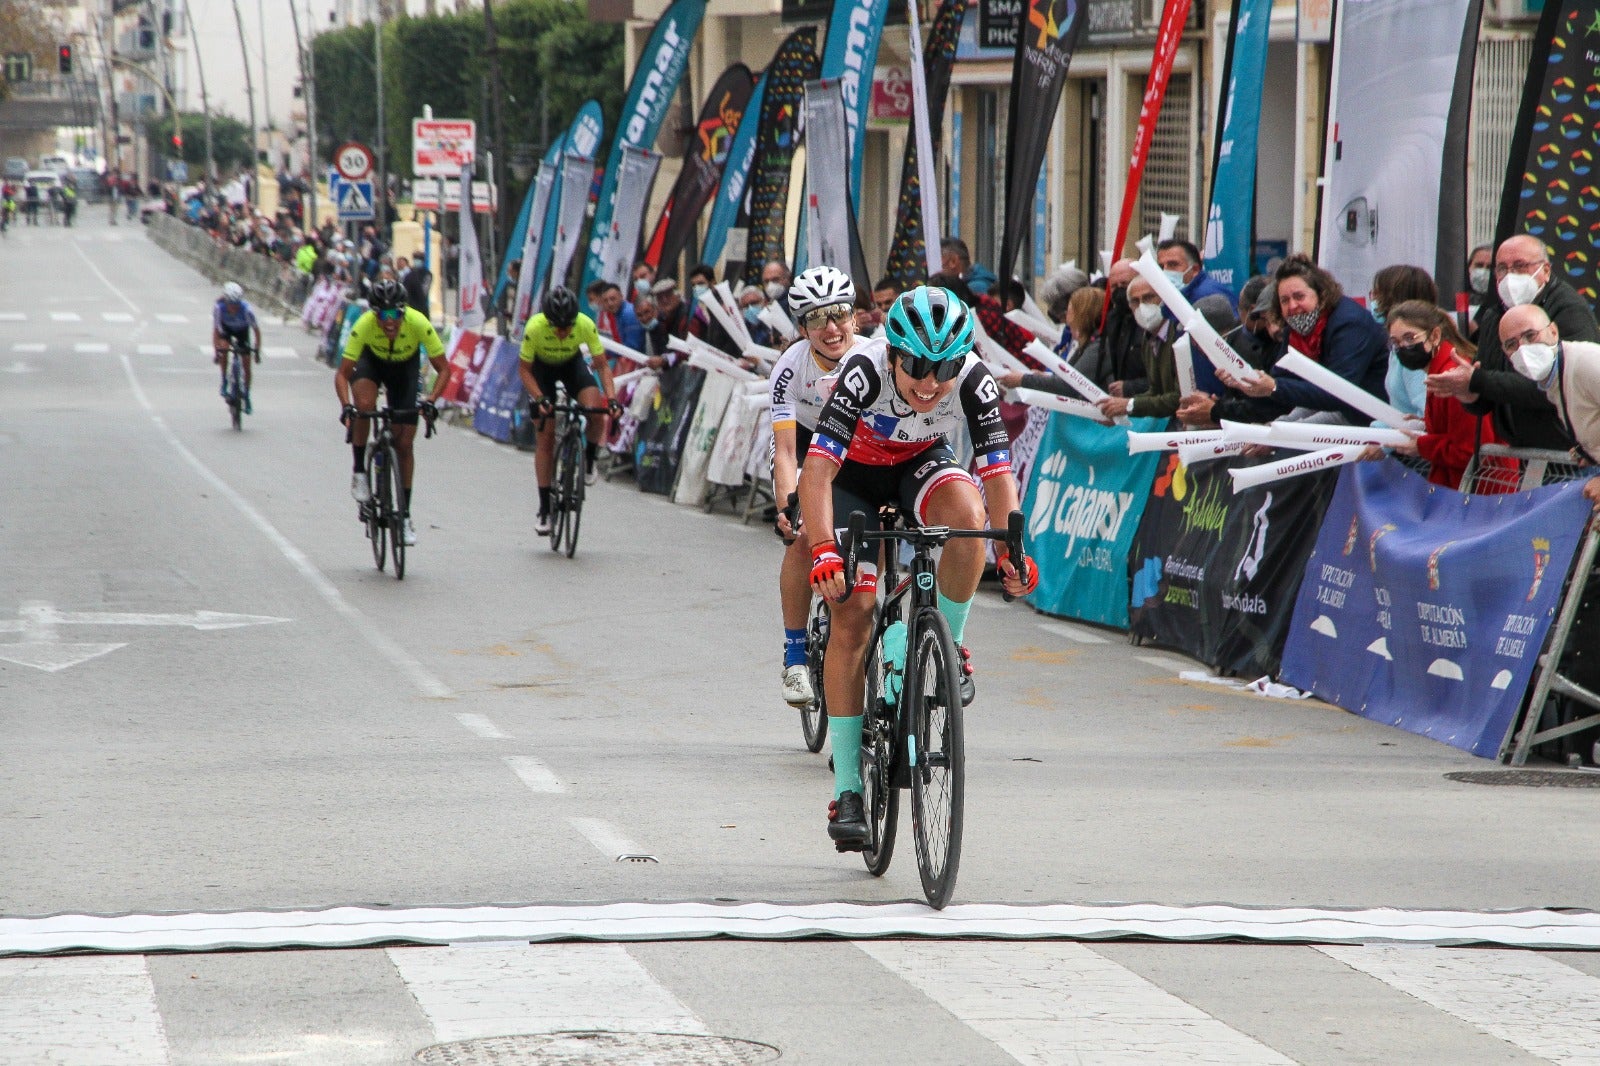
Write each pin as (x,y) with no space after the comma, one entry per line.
(550,346)
(382,350)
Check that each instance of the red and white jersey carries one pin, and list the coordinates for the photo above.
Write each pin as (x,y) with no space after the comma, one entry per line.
(801,382)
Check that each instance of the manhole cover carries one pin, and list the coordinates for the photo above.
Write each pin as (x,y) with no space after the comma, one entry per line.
(591,1049)
(1529,778)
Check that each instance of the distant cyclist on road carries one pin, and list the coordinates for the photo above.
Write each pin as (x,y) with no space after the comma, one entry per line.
(883,438)
(233,321)
(382,350)
(550,345)
(823,301)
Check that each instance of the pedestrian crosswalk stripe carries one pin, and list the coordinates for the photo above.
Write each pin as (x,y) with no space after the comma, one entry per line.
(65,316)
(1053,1002)
(27,347)
(279,353)
(205,349)
(172,319)
(494,989)
(155,349)
(90,1009)
(1542,1006)
(12,316)
(116,316)
(89,348)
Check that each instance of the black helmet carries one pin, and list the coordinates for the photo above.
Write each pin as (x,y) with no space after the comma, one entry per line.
(560,307)
(387,295)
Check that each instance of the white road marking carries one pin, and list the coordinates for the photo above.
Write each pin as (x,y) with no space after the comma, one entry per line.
(468,992)
(91,348)
(1542,1006)
(1164,663)
(1076,633)
(420,676)
(116,316)
(1046,1003)
(105,280)
(206,350)
(535,774)
(606,838)
(82,1011)
(481,726)
(12,316)
(27,347)
(279,353)
(174,320)
(19,367)
(155,349)
(65,316)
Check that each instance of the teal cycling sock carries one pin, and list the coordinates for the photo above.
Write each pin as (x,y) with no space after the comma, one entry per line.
(794,647)
(845,736)
(956,614)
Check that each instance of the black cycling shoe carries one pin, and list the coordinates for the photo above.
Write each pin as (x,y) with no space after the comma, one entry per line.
(969,691)
(847,822)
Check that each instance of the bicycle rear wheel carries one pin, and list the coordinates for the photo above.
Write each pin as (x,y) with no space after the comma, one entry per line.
(397,521)
(814,715)
(235,391)
(374,508)
(936,747)
(573,489)
(878,794)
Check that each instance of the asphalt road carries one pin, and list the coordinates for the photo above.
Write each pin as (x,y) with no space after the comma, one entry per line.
(212,702)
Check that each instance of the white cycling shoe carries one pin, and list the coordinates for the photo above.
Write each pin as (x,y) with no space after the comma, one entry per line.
(408,533)
(360,488)
(797,686)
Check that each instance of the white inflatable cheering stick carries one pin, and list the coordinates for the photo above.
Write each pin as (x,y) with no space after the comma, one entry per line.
(1219,351)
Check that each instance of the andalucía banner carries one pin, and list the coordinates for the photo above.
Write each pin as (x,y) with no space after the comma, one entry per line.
(1045,43)
(703,159)
(1552,187)
(850,54)
(795,63)
(908,261)
(655,81)
(1230,224)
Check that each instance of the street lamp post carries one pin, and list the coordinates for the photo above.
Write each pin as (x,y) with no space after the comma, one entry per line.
(308,81)
(380,202)
(250,100)
(205,101)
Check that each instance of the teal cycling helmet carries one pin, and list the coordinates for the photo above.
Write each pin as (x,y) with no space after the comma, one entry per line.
(930,325)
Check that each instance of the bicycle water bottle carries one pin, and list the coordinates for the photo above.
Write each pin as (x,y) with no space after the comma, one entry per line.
(894,661)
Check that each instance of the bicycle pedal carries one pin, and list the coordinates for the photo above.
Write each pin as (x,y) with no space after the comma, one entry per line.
(843,846)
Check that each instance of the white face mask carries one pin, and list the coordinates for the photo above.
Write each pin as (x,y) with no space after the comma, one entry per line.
(1478,278)
(1534,362)
(775,290)
(1518,289)
(1176,277)
(1148,316)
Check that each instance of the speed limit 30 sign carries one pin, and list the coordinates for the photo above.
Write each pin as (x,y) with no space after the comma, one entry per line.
(353,161)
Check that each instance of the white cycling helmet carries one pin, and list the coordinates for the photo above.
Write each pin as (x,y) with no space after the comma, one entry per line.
(821,286)
(232,292)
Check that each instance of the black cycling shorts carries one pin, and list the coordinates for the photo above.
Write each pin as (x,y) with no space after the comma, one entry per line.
(574,375)
(240,336)
(400,380)
(859,487)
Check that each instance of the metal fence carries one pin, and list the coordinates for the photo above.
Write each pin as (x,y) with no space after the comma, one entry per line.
(1500,468)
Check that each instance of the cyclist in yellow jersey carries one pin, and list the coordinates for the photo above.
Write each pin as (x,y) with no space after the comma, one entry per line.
(382,350)
(550,347)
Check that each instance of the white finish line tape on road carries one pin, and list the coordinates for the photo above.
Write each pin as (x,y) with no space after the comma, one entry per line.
(360,926)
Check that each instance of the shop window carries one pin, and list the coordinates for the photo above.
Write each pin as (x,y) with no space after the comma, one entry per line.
(1169,172)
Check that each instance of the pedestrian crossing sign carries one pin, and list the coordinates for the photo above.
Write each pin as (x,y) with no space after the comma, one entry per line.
(354,199)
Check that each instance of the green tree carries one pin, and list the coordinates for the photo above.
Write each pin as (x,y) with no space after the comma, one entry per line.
(25,27)
(230,140)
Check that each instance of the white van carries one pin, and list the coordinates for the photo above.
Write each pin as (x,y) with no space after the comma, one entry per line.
(60,164)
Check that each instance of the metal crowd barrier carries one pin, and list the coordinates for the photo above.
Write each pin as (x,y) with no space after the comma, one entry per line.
(267,281)
(1497,467)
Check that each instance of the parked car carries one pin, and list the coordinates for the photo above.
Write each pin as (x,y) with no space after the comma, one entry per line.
(45,179)
(58,163)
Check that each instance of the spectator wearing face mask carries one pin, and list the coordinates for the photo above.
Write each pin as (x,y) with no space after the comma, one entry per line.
(1122,338)
(775,281)
(1155,395)
(1566,371)
(1180,261)
(1392,286)
(1479,277)
(1523,416)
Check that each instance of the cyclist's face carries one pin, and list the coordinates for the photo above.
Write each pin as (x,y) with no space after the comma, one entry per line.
(834,337)
(390,327)
(923,394)
(561,332)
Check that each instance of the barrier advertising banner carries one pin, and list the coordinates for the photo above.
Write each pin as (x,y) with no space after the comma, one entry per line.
(908,254)
(637,177)
(850,55)
(1230,222)
(1426,609)
(468,354)
(662,433)
(731,194)
(695,460)
(1084,500)
(1387,124)
(1046,39)
(794,64)
(655,81)
(703,161)
(498,393)
(1552,188)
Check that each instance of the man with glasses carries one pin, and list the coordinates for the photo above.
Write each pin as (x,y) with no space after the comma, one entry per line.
(382,350)
(823,300)
(883,437)
(1523,417)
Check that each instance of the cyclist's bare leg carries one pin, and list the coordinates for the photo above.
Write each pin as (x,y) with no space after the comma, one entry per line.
(592,397)
(843,671)
(364,394)
(544,456)
(794,584)
(403,437)
(958,504)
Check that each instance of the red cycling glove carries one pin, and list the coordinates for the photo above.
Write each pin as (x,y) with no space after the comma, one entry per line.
(1029,572)
(826,562)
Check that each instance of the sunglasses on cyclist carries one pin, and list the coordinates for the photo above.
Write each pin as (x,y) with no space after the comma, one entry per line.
(917,368)
(818,316)
(391,314)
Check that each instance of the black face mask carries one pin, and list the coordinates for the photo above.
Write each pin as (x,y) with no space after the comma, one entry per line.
(1119,299)
(1413,356)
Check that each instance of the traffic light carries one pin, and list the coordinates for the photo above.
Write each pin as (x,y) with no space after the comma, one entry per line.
(177,140)
(64,58)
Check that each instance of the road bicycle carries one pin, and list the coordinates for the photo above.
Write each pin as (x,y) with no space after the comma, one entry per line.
(566,483)
(382,514)
(233,393)
(912,734)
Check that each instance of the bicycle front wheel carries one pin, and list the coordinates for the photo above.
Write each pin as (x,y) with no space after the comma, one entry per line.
(878,795)
(937,752)
(558,497)
(814,715)
(397,521)
(375,508)
(235,393)
(573,489)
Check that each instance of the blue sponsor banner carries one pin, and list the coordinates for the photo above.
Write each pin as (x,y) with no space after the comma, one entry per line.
(655,81)
(850,54)
(583,137)
(735,177)
(1425,609)
(499,392)
(1230,223)
(1084,498)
